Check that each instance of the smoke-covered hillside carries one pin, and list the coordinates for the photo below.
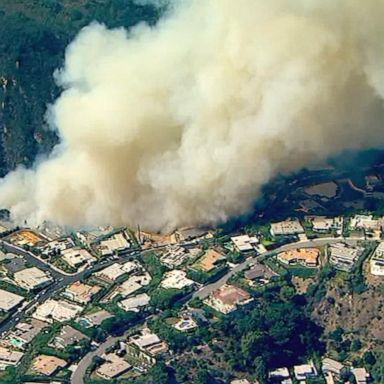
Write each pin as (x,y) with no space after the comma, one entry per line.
(33,37)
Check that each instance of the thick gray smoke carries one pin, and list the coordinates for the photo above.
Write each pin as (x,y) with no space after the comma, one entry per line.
(183,123)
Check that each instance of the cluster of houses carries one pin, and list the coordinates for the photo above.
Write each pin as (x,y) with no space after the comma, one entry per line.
(332,371)
(127,282)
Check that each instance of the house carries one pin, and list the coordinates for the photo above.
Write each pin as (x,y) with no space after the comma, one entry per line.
(305,371)
(58,246)
(279,374)
(113,367)
(176,279)
(94,319)
(9,357)
(81,293)
(240,381)
(26,237)
(366,222)
(361,375)
(324,224)
(133,284)
(116,243)
(377,261)
(32,278)
(227,298)
(77,257)
(110,273)
(9,300)
(174,256)
(135,303)
(188,234)
(309,257)
(286,228)
(244,243)
(145,346)
(343,257)
(332,366)
(259,272)
(67,337)
(56,310)
(48,365)
(24,333)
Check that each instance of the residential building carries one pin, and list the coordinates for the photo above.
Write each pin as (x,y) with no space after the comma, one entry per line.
(9,357)
(135,303)
(131,266)
(240,381)
(114,244)
(67,337)
(377,261)
(56,310)
(279,374)
(58,245)
(332,366)
(245,243)
(9,300)
(24,333)
(174,256)
(361,375)
(227,298)
(81,293)
(149,240)
(145,346)
(176,279)
(286,228)
(343,257)
(366,222)
(259,272)
(133,284)
(26,237)
(94,319)
(188,234)
(308,257)
(77,257)
(327,224)
(110,273)
(48,365)
(209,260)
(113,367)
(305,371)
(32,278)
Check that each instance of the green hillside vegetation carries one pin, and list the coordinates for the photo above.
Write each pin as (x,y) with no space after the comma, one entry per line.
(34,35)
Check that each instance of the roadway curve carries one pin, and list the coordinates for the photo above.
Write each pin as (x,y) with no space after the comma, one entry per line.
(80,372)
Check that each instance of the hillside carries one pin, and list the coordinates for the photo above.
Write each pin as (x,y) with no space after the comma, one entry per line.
(350,309)
(34,35)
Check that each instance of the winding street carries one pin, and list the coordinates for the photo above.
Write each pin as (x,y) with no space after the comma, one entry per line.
(79,374)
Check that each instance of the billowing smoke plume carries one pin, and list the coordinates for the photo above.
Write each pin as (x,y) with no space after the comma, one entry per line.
(182,124)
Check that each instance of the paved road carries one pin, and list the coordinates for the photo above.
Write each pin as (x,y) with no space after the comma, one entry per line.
(60,281)
(208,289)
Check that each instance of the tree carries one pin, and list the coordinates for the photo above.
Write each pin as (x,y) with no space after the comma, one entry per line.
(118,324)
(260,369)
(356,345)
(165,298)
(369,358)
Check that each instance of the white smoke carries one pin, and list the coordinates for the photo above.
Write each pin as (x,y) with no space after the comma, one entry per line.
(182,124)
